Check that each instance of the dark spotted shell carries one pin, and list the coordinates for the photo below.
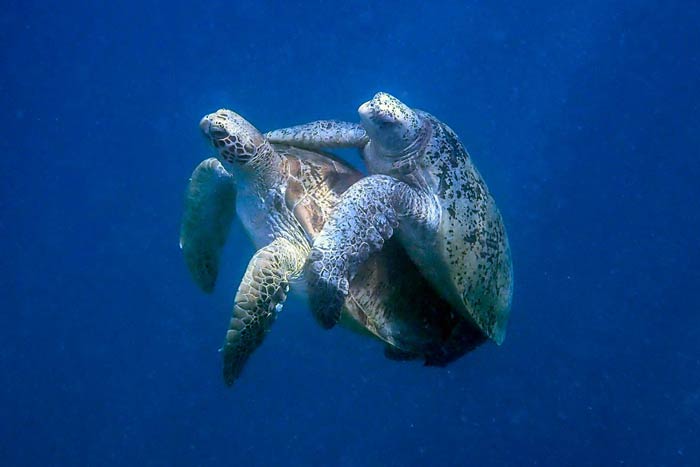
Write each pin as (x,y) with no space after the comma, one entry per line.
(472,254)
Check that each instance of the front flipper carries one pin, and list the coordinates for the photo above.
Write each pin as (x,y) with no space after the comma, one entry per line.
(210,204)
(364,218)
(260,297)
(321,134)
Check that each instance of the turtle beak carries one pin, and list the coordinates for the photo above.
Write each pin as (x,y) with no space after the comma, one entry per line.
(365,113)
(370,121)
(212,130)
(364,110)
(205,124)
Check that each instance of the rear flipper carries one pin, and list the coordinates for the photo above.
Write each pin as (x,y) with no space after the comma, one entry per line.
(321,134)
(464,338)
(394,353)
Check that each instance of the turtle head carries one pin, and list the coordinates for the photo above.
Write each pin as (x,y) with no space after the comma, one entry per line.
(235,139)
(392,126)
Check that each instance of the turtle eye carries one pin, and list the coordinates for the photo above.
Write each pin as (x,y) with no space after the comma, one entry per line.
(386,118)
(218,132)
(387,124)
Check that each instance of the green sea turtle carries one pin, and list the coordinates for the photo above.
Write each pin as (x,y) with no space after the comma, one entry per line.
(283,195)
(427,189)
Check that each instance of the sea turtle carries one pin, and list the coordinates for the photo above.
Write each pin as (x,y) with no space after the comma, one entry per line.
(283,195)
(427,189)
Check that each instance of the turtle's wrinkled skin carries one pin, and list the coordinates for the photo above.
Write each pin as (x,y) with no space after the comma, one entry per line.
(283,196)
(428,191)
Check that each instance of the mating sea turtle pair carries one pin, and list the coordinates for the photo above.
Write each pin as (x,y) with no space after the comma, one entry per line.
(425,188)
(284,195)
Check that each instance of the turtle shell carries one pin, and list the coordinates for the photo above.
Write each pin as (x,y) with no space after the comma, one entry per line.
(472,266)
(315,182)
(388,297)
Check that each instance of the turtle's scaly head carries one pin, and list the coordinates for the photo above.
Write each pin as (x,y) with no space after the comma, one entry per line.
(391,125)
(236,140)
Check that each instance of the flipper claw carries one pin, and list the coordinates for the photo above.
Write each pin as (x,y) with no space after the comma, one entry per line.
(326,300)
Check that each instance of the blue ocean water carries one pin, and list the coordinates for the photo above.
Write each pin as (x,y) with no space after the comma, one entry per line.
(583,118)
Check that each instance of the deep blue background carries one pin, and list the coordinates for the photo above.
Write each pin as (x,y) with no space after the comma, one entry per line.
(583,119)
